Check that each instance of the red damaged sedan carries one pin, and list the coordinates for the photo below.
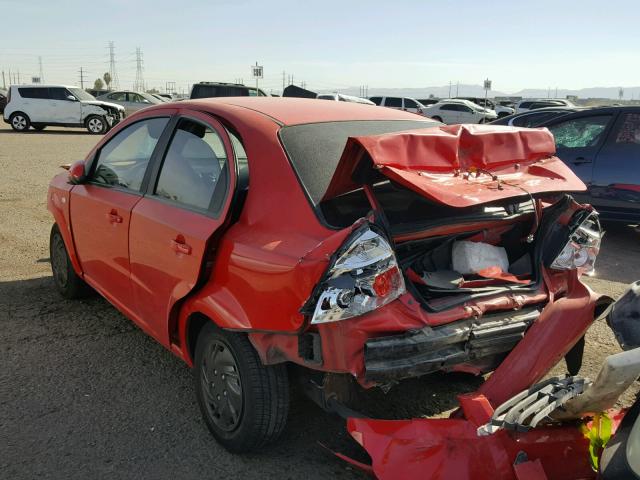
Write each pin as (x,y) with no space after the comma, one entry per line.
(248,234)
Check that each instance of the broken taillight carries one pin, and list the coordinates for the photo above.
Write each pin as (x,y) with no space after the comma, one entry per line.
(364,276)
(582,247)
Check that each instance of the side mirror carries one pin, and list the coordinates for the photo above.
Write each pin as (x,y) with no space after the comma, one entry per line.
(76,173)
(71,97)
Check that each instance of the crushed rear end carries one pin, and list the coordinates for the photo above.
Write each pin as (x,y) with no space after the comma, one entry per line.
(462,240)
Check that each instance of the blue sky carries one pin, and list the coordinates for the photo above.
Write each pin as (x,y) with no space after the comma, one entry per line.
(330,44)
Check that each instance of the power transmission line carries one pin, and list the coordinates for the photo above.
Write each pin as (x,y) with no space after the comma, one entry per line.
(139,85)
(112,67)
(41,73)
(81,78)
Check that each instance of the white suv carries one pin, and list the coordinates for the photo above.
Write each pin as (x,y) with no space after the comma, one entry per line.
(400,103)
(38,106)
(452,111)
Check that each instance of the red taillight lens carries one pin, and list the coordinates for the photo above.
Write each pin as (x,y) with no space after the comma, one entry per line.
(386,282)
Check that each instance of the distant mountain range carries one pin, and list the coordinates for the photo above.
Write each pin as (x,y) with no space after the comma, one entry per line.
(478,91)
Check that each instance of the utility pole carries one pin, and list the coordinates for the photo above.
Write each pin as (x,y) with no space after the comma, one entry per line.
(112,67)
(18,77)
(283,82)
(449,88)
(4,83)
(457,88)
(81,78)
(139,85)
(41,74)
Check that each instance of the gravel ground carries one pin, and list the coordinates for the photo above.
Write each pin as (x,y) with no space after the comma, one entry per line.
(85,394)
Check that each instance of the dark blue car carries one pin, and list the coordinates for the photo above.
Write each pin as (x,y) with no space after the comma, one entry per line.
(602,146)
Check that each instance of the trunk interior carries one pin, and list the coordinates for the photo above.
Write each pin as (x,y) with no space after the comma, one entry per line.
(501,256)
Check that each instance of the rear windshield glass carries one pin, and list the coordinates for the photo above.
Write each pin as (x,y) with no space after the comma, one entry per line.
(315,148)
(207,91)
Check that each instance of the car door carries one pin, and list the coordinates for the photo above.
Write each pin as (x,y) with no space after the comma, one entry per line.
(410,105)
(448,112)
(121,99)
(65,110)
(467,114)
(36,104)
(393,102)
(137,102)
(101,208)
(578,140)
(615,188)
(172,227)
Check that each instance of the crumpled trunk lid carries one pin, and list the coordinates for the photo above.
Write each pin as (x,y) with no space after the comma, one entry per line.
(458,165)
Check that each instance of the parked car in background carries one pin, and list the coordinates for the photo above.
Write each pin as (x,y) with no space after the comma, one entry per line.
(160,97)
(196,218)
(533,118)
(428,101)
(340,97)
(501,110)
(602,146)
(221,89)
(39,106)
(167,96)
(528,104)
(95,92)
(452,111)
(400,103)
(3,99)
(131,101)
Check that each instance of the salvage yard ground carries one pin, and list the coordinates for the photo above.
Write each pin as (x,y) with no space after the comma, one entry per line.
(85,394)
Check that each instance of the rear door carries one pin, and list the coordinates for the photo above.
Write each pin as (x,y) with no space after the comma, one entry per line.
(615,188)
(578,139)
(173,226)
(101,208)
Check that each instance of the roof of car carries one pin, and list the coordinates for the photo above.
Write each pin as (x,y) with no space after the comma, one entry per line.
(37,85)
(295,111)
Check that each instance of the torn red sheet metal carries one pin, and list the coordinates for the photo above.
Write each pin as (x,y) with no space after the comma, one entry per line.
(460,165)
(444,449)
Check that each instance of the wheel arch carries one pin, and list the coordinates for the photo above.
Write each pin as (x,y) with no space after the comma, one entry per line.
(58,205)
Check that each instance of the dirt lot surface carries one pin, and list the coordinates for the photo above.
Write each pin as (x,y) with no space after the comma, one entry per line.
(85,394)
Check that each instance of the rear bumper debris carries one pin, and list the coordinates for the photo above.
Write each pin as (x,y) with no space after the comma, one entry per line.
(429,349)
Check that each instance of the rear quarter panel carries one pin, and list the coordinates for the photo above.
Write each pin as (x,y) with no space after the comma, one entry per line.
(58,198)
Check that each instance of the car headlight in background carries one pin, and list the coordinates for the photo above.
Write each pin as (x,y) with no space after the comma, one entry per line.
(363,277)
(582,247)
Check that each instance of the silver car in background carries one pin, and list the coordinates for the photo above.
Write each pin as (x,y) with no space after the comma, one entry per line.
(130,100)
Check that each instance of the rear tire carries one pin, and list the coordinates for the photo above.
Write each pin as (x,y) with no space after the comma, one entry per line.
(96,124)
(437,119)
(67,281)
(19,121)
(244,403)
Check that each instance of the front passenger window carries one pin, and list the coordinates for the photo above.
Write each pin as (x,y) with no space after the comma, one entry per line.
(194,171)
(123,161)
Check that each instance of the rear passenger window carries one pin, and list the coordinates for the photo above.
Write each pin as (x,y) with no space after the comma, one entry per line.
(450,106)
(393,102)
(38,92)
(194,171)
(123,161)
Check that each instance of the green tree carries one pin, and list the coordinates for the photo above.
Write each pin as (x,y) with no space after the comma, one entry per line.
(98,84)
(107,80)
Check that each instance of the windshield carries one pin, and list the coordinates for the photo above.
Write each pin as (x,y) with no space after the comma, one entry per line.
(81,94)
(315,148)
